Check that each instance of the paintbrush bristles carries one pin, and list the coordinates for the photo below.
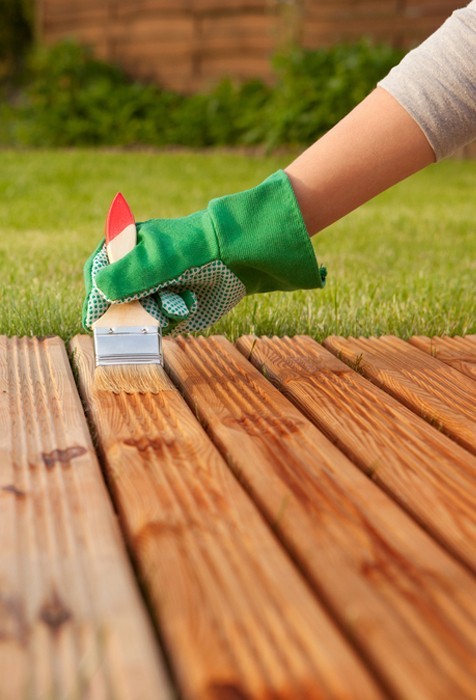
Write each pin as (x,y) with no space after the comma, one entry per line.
(131,379)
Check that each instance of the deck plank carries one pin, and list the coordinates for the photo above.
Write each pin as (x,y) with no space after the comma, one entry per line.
(236,617)
(458,352)
(69,602)
(427,473)
(404,601)
(442,395)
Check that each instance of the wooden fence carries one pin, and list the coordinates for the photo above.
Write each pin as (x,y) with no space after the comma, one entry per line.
(188,44)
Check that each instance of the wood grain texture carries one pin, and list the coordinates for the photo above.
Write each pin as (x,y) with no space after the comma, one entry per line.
(428,474)
(440,394)
(69,605)
(458,352)
(404,601)
(236,618)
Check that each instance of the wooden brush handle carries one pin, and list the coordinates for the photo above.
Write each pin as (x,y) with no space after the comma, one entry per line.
(121,238)
(121,235)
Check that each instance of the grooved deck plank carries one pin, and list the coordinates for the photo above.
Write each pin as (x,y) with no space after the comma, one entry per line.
(440,394)
(458,352)
(428,474)
(404,601)
(69,604)
(236,617)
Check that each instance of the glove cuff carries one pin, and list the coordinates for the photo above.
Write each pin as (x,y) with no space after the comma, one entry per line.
(263,238)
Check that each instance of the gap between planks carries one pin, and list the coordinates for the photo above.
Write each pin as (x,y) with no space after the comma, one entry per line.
(235,616)
(427,473)
(365,683)
(458,352)
(69,603)
(442,395)
(404,601)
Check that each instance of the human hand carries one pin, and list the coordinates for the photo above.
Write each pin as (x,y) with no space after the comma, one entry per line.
(190,271)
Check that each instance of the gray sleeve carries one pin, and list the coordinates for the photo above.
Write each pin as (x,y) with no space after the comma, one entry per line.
(436,83)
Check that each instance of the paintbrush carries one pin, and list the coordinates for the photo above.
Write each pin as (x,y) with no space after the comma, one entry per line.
(127,339)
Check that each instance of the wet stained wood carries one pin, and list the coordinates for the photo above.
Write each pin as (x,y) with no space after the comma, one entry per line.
(236,617)
(440,394)
(457,352)
(429,475)
(407,604)
(69,603)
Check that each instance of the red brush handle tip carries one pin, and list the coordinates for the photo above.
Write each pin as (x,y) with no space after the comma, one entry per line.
(119,216)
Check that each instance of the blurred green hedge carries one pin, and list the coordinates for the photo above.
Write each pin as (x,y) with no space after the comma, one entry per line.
(72,99)
(16,35)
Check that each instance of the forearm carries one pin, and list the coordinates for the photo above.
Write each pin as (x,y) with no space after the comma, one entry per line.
(421,111)
(372,148)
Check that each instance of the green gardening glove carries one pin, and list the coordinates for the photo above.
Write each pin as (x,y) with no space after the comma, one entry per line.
(189,272)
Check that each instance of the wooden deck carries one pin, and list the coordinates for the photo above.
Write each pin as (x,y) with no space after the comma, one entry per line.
(283,520)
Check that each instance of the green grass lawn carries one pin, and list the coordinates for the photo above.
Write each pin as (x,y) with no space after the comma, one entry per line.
(404,263)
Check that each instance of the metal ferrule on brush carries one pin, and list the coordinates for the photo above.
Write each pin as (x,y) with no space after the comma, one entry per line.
(127,338)
(128,345)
